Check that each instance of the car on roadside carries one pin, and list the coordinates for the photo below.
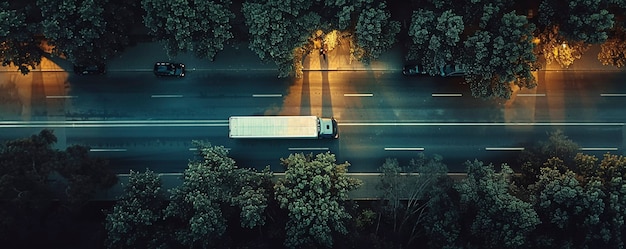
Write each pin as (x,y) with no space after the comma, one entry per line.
(413,70)
(452,70)
(90,69)
(169,69)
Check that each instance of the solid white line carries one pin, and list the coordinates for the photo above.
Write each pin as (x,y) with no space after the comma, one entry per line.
(61,97)
(409,149)
(531,94)
(308,148)
(358,95)
(447,94)
(107,150)
(266,95)
(222,123)
(77,125)
(601,149)
(114,121)
(166,96)
(504,148)
(480,124)
(613,94)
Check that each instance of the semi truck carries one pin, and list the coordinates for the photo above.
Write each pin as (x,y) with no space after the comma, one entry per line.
(312,127)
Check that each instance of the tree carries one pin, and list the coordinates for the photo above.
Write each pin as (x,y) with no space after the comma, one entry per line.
(435,40)
(442,222)
(84,175)
(195,26)
(73,25)
(278,28)
(569,27)
(555,48)
(613,50)
(136,218)
(570,212)
(313,191)
(375,33)
(406,193)
(578,20)
(213,190)
(497,218)
(18,44)
(33,175)
(534,156)
(609,173)
(500,55)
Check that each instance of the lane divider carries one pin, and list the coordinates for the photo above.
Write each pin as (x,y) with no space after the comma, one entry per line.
(266,95)
(613,94)
(166,96)
(358,95)
(220,123)
(531,94)
(404,149)
(505,148)
(61,97)
(447,95)
(308,149)
(598,149)
(479,124)
(107,150)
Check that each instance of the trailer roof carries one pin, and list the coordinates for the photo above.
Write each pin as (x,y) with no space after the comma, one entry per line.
(273,127)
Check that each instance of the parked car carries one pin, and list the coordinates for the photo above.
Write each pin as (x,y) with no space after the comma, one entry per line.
(413,69)
(452,70)
(90,69)
(172,69)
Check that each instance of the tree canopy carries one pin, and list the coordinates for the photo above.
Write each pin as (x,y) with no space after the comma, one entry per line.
(202,27)
(314,190)
(35,177)
(213,186)
(435,39)
(136,220)
(500,56)
(578,20)
(406,191)
(18,44)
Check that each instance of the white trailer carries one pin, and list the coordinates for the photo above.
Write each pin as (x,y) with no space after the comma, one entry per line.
(282,127)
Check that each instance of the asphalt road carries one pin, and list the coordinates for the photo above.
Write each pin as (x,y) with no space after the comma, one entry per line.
(139,121)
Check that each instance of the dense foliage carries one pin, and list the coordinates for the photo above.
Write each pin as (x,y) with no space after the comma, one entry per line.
(313,191)
(42,188)
(201,27)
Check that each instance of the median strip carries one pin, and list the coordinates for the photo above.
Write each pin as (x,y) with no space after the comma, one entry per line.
(447,95)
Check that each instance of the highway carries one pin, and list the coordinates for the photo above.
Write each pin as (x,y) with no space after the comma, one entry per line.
(138,121)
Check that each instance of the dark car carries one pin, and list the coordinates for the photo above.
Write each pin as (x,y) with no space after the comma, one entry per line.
(169,69)
(90,69)
(413,69)
(452,70)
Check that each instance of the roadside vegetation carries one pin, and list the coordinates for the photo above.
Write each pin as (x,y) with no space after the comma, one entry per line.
(557,198)
(499,42)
